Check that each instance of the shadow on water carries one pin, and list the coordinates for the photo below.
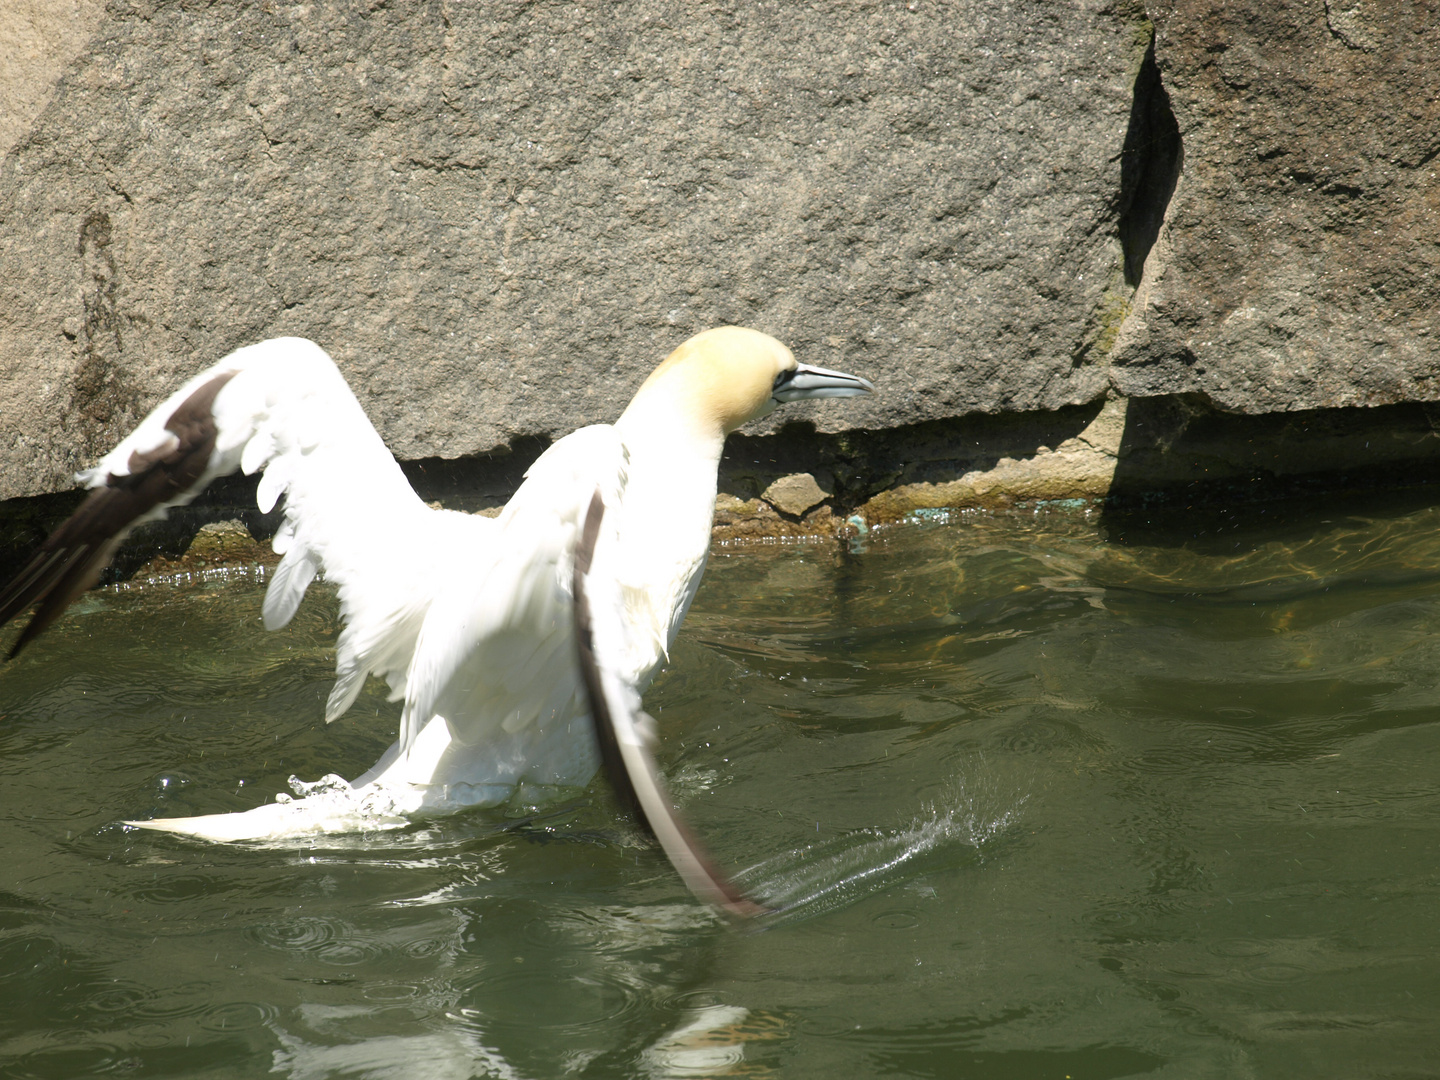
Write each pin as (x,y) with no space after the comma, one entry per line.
(1188,474)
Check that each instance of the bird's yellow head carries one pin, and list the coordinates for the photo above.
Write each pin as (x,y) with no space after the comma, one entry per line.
(728,376)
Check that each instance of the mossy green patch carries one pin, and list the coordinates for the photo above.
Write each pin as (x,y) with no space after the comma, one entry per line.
(1109,316)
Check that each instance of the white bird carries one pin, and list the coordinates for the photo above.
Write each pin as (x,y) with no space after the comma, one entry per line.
(469,619)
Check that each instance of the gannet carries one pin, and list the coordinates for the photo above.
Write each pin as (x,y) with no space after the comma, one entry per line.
(468,619)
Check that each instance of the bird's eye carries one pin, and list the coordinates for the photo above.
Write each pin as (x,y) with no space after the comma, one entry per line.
(781,380)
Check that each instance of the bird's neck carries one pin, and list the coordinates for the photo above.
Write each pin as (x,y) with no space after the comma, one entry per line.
(672,423)
(672,470)
(669,506)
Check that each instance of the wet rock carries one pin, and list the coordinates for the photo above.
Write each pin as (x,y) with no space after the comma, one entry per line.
(753,520)
(1081,467)
(795,494)
(214,545)
(227,542)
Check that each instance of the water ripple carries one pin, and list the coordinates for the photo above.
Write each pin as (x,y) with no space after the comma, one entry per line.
(172,1002)
(302,933)
(550,999)
(238,1016)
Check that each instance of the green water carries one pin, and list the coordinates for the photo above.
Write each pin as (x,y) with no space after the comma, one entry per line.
(1049,798)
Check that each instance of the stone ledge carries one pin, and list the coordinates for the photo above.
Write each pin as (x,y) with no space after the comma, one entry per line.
(1119,453)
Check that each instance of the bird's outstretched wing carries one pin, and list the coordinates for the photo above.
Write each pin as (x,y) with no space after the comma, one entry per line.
(282,407)
(624,732)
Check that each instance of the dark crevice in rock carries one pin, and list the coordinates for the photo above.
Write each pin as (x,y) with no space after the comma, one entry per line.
(472,484)
(478,482)
(854,465)
(1150,163)
(102,392)
(26,522)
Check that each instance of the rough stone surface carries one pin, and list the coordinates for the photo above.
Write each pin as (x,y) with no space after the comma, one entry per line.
(228,541)
(38,41)
(498,217)
(1063,258)
(1300,263)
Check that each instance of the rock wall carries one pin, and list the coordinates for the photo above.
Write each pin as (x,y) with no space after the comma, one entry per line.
(1300,262)
(498,217)
(1057,235)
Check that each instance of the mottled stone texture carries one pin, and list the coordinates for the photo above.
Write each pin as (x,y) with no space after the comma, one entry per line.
(1300,263)
(498,216)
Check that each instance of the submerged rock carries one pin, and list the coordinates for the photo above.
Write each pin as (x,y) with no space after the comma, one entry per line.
(795,494)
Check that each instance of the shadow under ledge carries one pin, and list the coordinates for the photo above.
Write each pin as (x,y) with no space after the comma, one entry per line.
(1158,469)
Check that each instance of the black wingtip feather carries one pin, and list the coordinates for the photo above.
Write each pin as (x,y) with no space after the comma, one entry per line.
(611,759)
(630,769)
(75,555)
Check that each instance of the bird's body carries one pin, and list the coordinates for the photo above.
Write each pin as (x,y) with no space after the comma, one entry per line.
(468,619)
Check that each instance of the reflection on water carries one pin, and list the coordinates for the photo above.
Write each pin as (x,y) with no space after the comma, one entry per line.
(1035,798)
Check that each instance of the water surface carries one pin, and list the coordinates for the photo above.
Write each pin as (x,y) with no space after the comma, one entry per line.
(1044,799)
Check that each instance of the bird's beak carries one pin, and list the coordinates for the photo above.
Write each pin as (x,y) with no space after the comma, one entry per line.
(807,382)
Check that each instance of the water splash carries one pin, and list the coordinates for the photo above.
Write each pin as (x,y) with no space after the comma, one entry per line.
(824,877)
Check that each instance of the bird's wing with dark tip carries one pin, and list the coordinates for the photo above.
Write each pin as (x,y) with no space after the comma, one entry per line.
(76,553)
(280,408)
(620,728)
